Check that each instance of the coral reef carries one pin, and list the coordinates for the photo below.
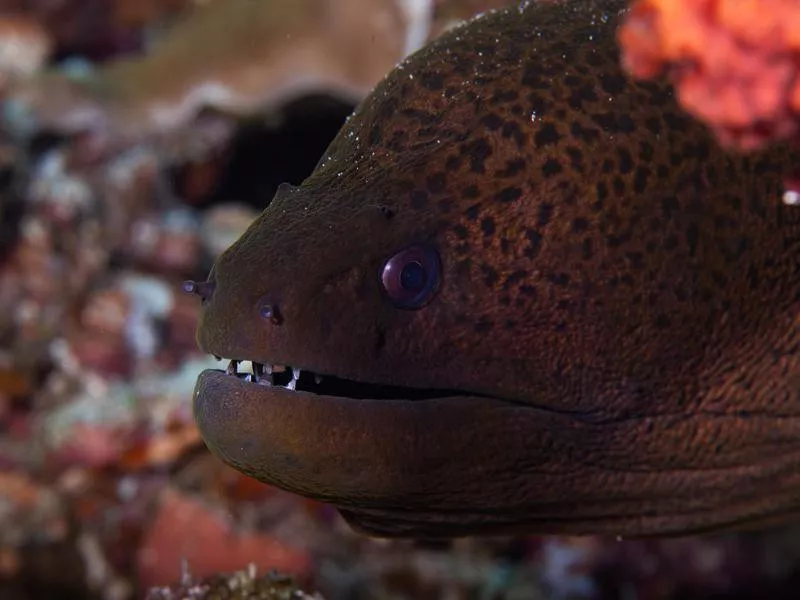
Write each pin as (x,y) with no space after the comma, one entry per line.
(241,585)
(734,63)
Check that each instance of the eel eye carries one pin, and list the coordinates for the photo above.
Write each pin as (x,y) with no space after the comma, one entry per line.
(411,276)
(269,311)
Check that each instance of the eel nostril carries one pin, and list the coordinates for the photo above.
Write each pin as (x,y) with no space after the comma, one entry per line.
(204,289)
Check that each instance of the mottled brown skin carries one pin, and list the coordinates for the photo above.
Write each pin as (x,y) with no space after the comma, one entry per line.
(619,303)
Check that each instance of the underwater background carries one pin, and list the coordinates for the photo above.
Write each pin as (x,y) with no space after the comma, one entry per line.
(139,138)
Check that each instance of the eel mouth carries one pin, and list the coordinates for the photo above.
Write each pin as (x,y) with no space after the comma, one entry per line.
(295,379)
(344,442)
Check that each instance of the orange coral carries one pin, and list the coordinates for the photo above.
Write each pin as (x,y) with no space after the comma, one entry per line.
(735,63)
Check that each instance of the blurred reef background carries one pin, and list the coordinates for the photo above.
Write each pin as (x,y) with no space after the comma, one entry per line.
(138,139)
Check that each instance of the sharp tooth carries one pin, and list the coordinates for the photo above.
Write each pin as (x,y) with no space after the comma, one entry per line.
(292,385)
(258,371)
(233,367)
(317,379)
(249,378)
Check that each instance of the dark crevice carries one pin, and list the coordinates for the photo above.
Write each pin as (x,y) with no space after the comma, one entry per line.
(263,154)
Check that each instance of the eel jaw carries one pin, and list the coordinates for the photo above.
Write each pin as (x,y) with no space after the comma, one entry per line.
(461,465)
(297,379)
(346,451)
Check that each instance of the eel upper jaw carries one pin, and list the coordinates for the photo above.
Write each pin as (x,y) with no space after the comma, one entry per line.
(296,379)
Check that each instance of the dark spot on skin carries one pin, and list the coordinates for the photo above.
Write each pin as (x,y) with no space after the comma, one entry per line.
(473,212)
(514,278)
(510,324)
(586,134)
(559,279)
(548,134)
(668,207)
(625,161)
(508,194)
(477,151)
(511,129)
(490,275)
(720,279)
(586,249)
(608,166)
(595,59)
(602,192)
(692,235)
(640,179)
(437,182)
(483,325)
(575,158)
(505,96)
(460,231)
(653,124)
(580,224)
(487,226)
(551,167)
(471,191)
(575,100)
(387,212)
(463,267)
(535,240)
(545,214)
(423,117)
(646,151)
(512,168)
(662,321)
(608,122)
(453,163)
(636,259)
(375,135)
(431,81)
(492,121)
(619,185)
(673,120)
(532,77)
(613,84)
(419,199)
(528,290)
(540,105)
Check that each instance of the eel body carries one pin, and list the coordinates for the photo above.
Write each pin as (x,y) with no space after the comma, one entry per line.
(520,292)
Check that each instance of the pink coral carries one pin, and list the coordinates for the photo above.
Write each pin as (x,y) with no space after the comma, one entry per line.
(735,63)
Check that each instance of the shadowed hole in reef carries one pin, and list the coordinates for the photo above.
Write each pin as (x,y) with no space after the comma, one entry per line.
(266,152)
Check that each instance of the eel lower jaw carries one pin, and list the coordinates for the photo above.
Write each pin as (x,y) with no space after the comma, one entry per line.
(340,449)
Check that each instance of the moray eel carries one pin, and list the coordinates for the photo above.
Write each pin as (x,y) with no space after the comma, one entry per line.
(519,293)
